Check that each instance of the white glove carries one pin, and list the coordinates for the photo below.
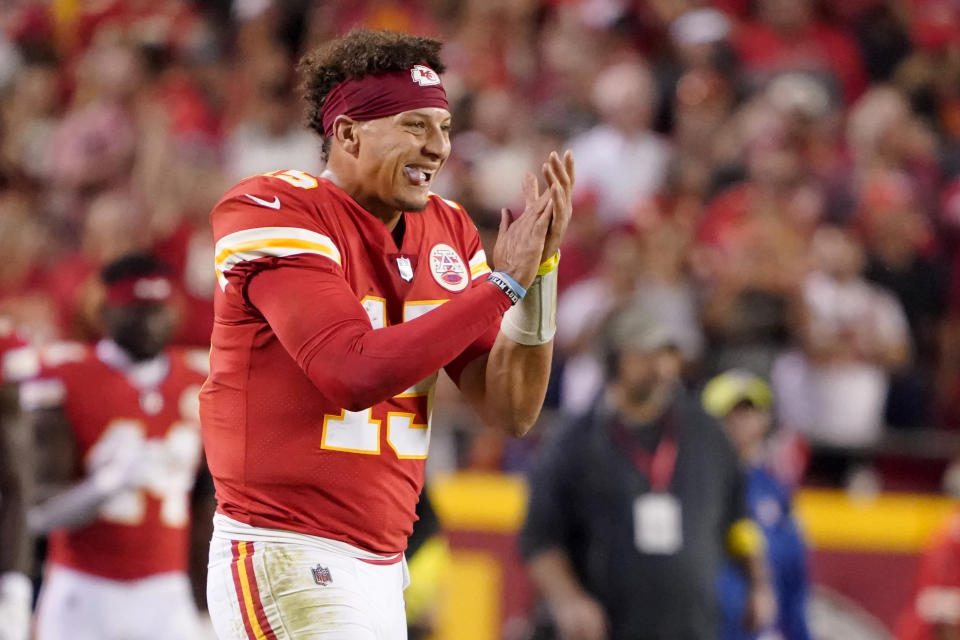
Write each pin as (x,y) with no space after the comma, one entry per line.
(116,464)
(16,596)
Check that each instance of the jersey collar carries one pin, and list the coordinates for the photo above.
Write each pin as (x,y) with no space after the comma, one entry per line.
(143,375)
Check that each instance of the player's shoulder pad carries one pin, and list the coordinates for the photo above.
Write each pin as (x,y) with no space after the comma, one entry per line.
(453,213)
(271,215)
(270,196)
(58,354)
(19,364)
(446,204)
(46,387)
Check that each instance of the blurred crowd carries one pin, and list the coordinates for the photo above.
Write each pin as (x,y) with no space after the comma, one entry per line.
(778,181)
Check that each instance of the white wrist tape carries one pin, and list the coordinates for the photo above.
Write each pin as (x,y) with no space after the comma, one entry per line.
(533,320)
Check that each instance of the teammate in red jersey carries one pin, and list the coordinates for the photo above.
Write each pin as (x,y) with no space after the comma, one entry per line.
(340,299)
(119,431)
(933,612)
(16,591)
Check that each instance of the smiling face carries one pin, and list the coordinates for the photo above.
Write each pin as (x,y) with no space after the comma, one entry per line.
(396,160)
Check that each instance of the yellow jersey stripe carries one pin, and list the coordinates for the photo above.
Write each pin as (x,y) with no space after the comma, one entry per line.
(264,247)
(247,595)
(479,270)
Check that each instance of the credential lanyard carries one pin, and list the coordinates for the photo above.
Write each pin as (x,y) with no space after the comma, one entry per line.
(659,466)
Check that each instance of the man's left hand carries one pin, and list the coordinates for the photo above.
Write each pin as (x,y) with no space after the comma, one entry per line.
(558,174)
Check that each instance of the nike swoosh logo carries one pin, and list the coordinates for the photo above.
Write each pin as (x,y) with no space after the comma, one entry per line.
(265,203)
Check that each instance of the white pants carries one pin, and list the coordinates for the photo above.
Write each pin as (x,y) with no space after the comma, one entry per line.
(290,590)
(78,606)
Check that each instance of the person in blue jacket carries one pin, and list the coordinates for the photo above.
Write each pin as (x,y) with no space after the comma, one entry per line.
(742,401)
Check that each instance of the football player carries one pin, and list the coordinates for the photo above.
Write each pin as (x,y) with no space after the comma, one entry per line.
(119,439)
(340,298)
(16,591)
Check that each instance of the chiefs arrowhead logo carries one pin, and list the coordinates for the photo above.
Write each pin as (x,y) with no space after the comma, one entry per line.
(424,75)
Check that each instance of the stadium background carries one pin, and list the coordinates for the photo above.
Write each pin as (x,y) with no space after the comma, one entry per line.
(769,121)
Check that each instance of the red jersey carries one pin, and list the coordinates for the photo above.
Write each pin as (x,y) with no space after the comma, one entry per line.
(325,350)
(936,596)
(112,406)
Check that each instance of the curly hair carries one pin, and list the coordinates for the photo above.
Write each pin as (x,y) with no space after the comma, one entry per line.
(360,53)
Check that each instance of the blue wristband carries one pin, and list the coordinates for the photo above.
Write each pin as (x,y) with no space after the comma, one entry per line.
(508,285)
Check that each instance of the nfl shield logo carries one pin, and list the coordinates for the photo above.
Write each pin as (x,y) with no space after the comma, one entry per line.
(321,575)
(406,269)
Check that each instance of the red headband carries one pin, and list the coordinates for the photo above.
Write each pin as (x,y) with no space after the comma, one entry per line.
(151,288)
(384,94)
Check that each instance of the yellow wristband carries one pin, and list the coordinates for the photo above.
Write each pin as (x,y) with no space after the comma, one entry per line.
(549,265)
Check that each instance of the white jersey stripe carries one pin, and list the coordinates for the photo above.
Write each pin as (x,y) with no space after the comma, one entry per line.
(478,264)
(479,258)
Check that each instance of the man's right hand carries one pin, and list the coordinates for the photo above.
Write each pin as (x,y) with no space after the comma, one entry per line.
(579,617)
(520,241)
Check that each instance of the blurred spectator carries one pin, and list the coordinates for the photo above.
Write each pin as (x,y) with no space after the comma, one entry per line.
(580,311)
(30,117)
(633,505)
(835,388)
(119,527)
(16,590)
(26,246)
(753,245)
(885,136)
(897,240)
(167,22)
(811,118)
(743,402)
(665,288)
(621,161)
(930,75)
(496,148)
(490,43)
(933,612)
(786,36)
(698,81)
(884,39)
(183,241)
(271,137)
(114,225)
(94,144)
(583,243)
